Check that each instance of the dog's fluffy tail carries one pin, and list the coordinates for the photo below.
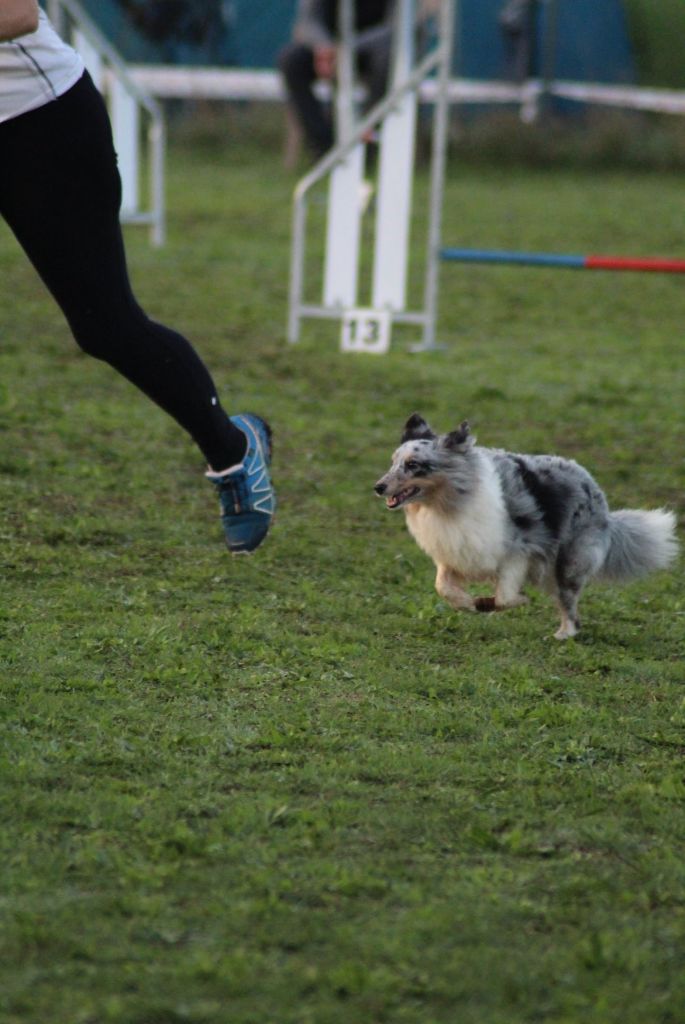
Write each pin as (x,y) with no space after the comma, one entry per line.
(640,541)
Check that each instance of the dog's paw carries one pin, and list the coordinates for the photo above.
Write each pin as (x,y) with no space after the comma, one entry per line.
(568,628)
(515,602)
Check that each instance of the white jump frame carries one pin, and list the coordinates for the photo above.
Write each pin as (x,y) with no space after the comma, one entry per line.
(344,161)
(127,100)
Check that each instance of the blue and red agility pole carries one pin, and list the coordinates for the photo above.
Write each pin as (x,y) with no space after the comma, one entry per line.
(560,261)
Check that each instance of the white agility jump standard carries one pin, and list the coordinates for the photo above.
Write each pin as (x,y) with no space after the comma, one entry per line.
(368,329)
(127,102)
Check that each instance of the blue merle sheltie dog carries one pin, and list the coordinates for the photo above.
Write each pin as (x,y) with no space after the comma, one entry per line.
(484,514)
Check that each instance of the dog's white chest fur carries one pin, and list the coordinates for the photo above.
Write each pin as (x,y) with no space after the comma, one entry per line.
(471,539)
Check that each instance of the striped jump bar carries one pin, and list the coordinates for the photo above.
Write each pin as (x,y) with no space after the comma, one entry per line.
(544,259)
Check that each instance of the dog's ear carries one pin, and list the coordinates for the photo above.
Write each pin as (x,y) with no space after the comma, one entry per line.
(461,439)
(416,429)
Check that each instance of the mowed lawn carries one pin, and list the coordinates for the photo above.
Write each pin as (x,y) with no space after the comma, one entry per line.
(297,788)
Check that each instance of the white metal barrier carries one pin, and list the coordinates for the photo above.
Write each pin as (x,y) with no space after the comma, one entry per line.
(166,81)
(368,329)
(128,104)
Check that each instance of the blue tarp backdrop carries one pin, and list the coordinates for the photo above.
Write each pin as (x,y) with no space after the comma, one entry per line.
(589,41)
(235,33)
(583,40)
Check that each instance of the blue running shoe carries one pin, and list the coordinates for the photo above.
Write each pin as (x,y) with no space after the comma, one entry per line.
(247,497)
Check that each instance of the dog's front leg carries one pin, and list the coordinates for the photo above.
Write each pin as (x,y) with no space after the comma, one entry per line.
(447,584)
(508,594)
(511,578)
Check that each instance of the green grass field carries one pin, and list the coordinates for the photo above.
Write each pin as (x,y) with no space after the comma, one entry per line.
(298,789)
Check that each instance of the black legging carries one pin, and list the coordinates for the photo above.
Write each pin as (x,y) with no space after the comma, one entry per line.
(60,193)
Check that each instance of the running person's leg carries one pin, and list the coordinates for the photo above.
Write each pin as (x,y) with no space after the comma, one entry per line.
(60,193)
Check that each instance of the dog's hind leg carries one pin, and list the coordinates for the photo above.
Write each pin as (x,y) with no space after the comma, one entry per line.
(573,567)
(447,584)
(576,563)
(567,598)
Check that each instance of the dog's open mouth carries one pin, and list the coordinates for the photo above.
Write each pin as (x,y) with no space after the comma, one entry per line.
(399,499)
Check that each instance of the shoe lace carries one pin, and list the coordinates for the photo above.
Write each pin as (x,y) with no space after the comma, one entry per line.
(234,490)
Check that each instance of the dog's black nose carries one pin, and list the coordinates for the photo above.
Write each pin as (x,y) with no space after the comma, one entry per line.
(380,487)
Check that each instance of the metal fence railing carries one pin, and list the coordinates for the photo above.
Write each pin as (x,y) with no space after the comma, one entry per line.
(129,106)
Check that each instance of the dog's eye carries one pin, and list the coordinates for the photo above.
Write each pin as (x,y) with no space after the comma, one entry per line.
(411,465)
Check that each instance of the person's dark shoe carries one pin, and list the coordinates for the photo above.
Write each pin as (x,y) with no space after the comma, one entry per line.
(246,494)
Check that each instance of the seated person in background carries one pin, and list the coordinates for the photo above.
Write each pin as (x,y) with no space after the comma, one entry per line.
(312,55)
(517,22)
